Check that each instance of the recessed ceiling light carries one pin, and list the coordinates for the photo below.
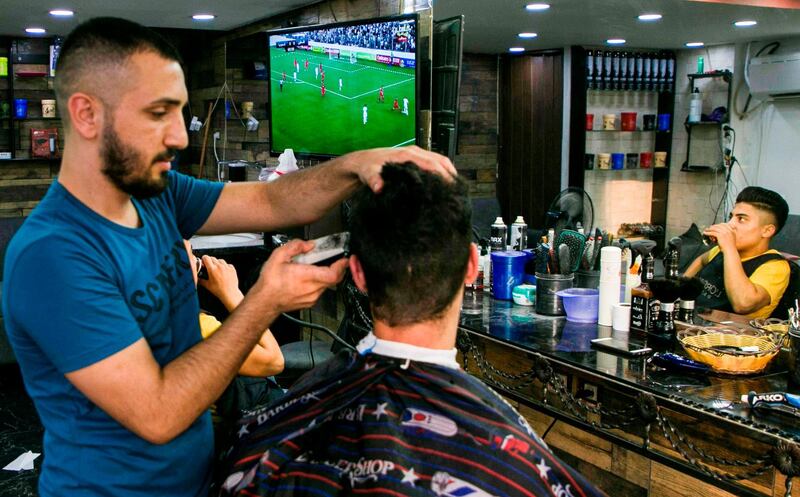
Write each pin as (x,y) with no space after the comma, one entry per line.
(62,13)
(537,6)
(649,17)
(527,35)
(694,44)
(35,31)
(745,24)
(615,41)
(203,17)
(516,49)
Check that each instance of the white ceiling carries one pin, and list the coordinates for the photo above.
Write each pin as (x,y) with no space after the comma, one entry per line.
(18,14)
(491,26)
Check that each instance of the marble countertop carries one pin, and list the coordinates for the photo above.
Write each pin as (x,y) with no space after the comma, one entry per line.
(569,343)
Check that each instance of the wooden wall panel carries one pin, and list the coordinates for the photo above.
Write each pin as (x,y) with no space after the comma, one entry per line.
(531,106)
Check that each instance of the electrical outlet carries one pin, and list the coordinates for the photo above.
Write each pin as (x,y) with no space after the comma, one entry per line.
(216,135)
(589,392)
(591,396)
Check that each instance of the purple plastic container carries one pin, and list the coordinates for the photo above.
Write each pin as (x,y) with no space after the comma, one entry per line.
(580,304)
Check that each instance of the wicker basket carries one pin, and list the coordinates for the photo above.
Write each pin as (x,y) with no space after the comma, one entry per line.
(698,343)
(772,325)
(775,326)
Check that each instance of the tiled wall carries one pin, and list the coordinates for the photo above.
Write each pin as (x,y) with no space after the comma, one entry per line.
(619,196)
(695,196)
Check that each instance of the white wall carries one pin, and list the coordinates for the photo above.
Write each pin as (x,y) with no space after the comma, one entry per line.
(767,140)
(773,132)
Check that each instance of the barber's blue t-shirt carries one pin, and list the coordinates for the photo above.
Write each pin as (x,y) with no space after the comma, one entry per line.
(79,288)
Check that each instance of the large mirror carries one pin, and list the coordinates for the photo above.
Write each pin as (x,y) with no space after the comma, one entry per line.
(762,130)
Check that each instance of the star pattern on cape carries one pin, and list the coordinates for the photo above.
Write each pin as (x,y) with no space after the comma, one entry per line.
(381,410)
(543,469)
(409,477)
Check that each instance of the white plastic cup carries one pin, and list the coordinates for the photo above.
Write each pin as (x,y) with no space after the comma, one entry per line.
(621,317)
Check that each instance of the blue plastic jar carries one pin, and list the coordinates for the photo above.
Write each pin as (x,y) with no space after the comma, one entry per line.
(508,271)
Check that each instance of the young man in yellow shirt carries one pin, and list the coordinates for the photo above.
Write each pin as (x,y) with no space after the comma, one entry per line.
(741,274)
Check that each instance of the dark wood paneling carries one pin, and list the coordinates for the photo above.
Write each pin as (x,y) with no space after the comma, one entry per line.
(531,106)
(577,128)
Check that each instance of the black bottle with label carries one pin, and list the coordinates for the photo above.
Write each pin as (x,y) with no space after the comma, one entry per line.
(644,307)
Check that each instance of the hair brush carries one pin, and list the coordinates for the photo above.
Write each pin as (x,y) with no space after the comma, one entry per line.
(665,290)
(690,288)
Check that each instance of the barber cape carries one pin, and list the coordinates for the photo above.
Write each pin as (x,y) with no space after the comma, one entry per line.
(373,424)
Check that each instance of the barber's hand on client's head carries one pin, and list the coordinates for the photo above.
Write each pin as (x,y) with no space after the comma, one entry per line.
(288,286)
(222,282)
(370,162)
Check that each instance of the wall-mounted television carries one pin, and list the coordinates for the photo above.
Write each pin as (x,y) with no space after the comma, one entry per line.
(342,87)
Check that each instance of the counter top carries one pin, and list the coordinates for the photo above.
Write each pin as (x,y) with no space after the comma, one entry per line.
(533,359)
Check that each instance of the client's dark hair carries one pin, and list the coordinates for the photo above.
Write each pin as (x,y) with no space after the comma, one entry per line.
(413,241)
(99,47)
(766,200)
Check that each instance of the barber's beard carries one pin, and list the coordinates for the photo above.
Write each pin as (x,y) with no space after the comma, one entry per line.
(128,170)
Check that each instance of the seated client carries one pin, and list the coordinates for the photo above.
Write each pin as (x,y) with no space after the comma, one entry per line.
(399,417)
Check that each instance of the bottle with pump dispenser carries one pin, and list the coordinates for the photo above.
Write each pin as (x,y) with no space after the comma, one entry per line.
(695,107)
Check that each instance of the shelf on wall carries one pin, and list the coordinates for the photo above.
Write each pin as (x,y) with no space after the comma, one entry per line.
(30,75)
(33,118)
(727,75)
(698,169)
(31,159)
(634,91)
(626,131)
(704,123)
(626,169)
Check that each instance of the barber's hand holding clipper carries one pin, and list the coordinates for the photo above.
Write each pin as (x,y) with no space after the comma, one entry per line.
(287,286)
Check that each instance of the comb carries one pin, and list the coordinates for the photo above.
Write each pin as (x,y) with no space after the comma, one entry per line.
(588,252)
(564,259)
(576,242)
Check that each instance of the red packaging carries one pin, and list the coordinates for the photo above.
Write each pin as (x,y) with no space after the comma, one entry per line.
(44,143)
(628,121)
(589,122)
(646,160)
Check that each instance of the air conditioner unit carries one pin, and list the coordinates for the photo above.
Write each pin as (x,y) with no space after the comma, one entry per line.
(774,75)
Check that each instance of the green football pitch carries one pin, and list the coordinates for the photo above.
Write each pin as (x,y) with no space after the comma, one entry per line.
(308,122)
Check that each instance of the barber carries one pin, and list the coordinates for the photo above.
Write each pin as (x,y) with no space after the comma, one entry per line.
(98,298)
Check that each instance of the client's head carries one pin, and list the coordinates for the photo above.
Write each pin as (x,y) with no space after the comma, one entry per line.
(771,206)
(412,244)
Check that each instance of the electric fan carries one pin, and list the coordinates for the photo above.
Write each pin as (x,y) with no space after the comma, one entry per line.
(570,207)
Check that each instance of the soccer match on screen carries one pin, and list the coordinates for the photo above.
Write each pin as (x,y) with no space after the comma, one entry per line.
(339,89)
